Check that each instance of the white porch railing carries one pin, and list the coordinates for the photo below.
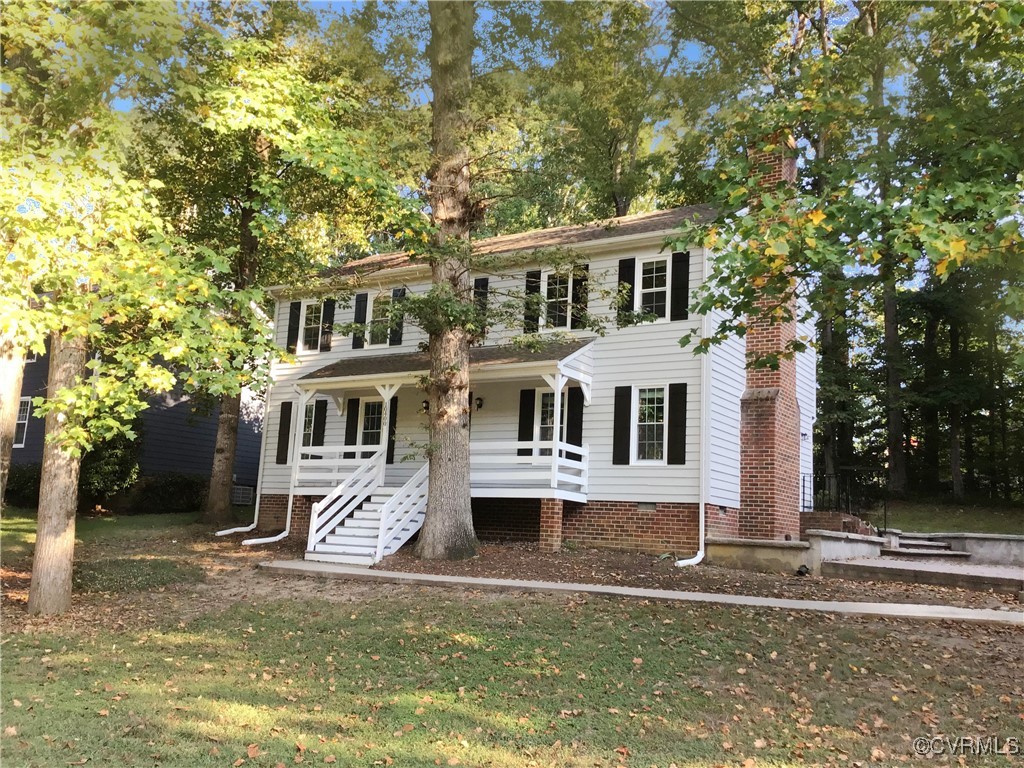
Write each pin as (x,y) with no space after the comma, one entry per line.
(352,488)
(326,466)
(401,510)
(529,464)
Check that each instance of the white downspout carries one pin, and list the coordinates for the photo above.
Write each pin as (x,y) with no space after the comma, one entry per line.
(705,416)
(296,450)
(259,475)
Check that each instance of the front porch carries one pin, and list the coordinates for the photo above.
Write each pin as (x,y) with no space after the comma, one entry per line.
(360,434)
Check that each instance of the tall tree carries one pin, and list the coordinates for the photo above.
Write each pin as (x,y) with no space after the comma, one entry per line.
(266,156)
(90,264)
(448,524)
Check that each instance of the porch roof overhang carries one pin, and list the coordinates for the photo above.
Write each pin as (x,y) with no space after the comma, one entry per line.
(571,359)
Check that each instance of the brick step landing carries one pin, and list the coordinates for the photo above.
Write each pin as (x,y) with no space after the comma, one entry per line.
(925,554)
(963,575)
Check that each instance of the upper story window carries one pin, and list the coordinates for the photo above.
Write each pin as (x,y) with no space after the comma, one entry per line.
(380,317)
(312,324)
(657,286)
(21,426)
(556,299)
(652,298)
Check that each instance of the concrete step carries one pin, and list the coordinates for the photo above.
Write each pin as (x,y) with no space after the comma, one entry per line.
(947,573)
(925,554)
(923,544)
(331,557)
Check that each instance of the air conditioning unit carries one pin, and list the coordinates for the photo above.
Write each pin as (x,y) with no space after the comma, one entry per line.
(243,495)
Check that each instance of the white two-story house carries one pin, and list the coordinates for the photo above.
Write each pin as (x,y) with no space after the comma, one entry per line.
(625,440)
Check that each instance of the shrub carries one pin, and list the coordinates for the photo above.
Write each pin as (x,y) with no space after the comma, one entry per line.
(169,492)
(109,468)
(23,485)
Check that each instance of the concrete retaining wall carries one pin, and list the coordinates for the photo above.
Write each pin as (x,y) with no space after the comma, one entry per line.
(985,548)
(832,546)
(766,555)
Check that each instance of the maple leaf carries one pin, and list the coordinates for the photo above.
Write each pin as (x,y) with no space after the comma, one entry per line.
(816,217)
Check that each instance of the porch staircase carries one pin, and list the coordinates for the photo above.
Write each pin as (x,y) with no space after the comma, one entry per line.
(354,542)
(369,524)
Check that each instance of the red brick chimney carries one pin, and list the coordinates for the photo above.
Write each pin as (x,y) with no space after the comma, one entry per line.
(769,413)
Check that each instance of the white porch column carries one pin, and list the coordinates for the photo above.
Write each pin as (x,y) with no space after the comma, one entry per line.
(386,391)
(557,383)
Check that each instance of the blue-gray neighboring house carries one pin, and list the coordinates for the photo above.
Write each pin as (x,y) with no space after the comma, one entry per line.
(175,438)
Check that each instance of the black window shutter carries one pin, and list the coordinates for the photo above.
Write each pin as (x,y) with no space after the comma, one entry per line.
(680,299)
(627,278)
(360,317)
(351,424)
(676,426)
(574,420)
(621,424)
(480,288)
(531,316)
(327,325)
(294,315)
(579,296)
(527,402)
(395,337)
(284,431)
(392,431)
(319,421)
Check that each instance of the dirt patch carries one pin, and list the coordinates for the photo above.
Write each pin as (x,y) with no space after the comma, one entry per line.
(628,569)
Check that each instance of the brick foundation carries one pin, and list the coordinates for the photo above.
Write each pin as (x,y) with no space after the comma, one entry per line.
(723,522)
(551,525)
(507,519)
(624,525)
(274,511)
(667,527)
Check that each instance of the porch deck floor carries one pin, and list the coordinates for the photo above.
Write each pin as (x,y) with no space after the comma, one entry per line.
(891,610)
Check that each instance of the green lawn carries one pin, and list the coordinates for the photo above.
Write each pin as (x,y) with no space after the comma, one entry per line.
(421,677)
(928,517)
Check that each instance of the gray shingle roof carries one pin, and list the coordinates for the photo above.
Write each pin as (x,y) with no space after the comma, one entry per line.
(409,362)
(544,238)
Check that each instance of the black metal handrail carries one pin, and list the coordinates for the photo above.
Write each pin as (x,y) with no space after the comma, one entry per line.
(854,491)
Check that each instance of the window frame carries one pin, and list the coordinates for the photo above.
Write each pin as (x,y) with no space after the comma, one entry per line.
(363,401)
(300,344)
(638,291)
(570,280)
(27,403)
(538,409)
(308,420)
(634,431)
(372,301)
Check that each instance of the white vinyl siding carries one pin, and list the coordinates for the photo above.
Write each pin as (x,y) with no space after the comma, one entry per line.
(729,379)
(642,354)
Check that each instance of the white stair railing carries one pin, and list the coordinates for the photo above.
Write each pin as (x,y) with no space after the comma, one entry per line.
(398,511)
(328,513)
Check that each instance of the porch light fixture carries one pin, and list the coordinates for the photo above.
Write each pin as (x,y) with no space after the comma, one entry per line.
(425,405)
(479,403)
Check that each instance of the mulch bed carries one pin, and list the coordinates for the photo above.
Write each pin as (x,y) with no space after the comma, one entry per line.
(592,566)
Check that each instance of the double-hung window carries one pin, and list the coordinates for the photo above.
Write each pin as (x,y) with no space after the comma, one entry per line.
(380,321)
(558,301)
(372,423)
(21,426)
(312,324)
(649,424)
(652,298)
(545,420)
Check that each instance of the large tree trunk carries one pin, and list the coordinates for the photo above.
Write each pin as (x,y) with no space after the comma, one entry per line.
(218,500)
(930,411)
(12,367)
(448,524)
(893,386)
(955,468)
(50,591)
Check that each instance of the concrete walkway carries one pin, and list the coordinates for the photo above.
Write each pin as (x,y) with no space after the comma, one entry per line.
(963,575)
(888,610)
